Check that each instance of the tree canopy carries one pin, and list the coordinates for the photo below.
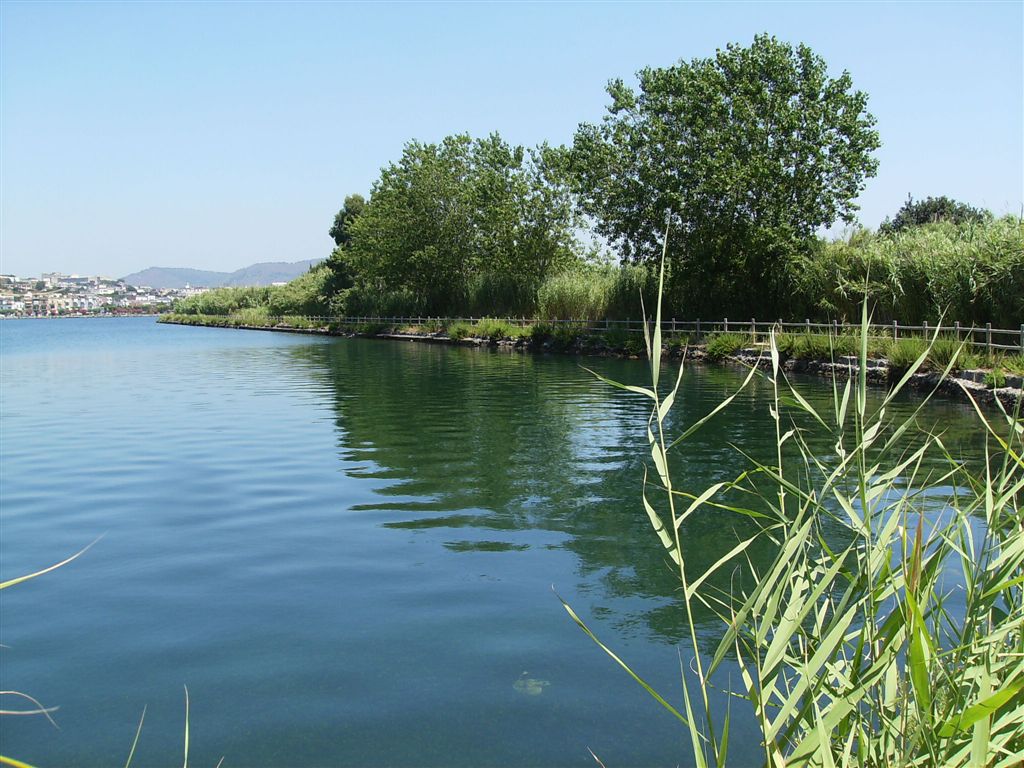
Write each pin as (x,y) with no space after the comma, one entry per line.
(449,220)
(343,219)
(752,151)
(914,213)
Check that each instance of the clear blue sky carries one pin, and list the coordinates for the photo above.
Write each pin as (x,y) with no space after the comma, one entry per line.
(215,135)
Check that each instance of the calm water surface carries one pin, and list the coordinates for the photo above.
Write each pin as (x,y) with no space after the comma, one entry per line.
(344,548)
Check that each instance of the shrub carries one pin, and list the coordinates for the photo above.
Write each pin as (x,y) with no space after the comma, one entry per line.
(677,342)
(1014,364)
(633,345)
(995,379)
(495,330)
(905,352)
(945,351)
(971,360)
(305,295)
(460,330)
(541,332)
(721,345)
(615,338)
(786,344)
(560,336)
(257,316)
(502,293)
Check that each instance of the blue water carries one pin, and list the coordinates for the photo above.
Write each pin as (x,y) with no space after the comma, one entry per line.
(345,549)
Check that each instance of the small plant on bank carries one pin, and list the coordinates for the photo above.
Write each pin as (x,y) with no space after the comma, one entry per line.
(905,352)
(541,332)
(995,379)
(677,343)
(615,338)
(633,345)
(370,328)
(460,330)
(495,330)
(946,352)
(565,336)
(255,316)
(298,322)
(1014,364)
(722,345)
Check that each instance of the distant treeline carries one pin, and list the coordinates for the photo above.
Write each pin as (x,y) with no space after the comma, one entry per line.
(974,274)
(737,170)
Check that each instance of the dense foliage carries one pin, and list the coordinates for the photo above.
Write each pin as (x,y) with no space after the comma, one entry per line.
(932,210)
(968,273)
(340,230)
(752,151)
(460,222)
(305,295)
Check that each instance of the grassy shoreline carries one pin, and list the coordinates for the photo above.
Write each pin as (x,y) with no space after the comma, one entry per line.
(814,354)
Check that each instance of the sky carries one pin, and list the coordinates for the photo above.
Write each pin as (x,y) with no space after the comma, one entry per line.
(214,135)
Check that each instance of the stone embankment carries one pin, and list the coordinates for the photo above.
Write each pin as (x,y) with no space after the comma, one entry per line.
(957,385)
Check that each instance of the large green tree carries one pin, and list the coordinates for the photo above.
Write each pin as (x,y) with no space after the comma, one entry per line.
(751,151)
(459,219)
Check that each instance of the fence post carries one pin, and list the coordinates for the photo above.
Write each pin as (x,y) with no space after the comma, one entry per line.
(895,329)
(673,325)
(956,327)
(924,325)
(753,330)
(726,323)
(835,328)
(988,337)
(807,325)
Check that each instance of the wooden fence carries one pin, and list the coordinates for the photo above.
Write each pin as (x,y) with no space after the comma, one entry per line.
(980,337)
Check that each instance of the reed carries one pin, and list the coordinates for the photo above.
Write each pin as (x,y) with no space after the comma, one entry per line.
(849,650)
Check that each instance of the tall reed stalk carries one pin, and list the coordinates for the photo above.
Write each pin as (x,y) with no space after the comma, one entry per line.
(864,652)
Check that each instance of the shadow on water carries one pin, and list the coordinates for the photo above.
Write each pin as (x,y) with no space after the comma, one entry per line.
(477,447)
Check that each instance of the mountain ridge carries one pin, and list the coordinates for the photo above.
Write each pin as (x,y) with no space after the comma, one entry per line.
(262,273)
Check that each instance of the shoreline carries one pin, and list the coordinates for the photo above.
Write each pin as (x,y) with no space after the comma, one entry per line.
(955,386)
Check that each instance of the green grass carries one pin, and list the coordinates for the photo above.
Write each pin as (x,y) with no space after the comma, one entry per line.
(900,641)
(904,352)
(459,330)
(722,345)
(495,330)
(946,352)
(1014,364)
(995,379)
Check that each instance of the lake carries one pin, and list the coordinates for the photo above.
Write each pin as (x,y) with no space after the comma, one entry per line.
(347,549)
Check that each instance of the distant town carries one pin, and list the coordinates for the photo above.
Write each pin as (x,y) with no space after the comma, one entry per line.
(54,294)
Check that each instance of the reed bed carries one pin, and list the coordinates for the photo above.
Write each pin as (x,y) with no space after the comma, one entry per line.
(899,644)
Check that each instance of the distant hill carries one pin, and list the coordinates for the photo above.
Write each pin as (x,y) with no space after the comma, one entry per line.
(257,274)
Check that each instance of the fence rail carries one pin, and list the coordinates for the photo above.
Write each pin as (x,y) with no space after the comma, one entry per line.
(980,337)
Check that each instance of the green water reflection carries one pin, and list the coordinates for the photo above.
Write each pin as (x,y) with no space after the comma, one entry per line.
(477,442)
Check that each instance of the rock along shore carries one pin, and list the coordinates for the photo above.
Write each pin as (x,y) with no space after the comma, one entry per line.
(956,386)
